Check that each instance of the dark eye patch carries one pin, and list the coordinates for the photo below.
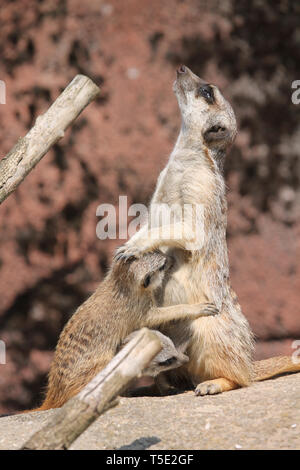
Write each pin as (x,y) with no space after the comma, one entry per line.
(207,93)
(147,280)
(167,362)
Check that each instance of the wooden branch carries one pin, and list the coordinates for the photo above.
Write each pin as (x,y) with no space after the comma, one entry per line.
(48,129)
(98,395)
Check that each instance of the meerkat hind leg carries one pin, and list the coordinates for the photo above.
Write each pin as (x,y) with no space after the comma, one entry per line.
(212,387)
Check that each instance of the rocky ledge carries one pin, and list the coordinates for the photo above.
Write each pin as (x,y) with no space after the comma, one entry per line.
(265,415)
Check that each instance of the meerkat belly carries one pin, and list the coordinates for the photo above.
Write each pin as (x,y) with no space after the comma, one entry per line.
(184,285)
(215,346)
(221,346)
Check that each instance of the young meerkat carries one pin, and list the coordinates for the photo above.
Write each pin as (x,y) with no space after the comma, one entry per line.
(126,300)
(220,349)
(167,359)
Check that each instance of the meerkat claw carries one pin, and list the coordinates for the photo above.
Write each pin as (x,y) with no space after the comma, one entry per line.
(122,256)
(212,309)
(127,252)
(119,252)
(207,388)
(209,313)
(122,253)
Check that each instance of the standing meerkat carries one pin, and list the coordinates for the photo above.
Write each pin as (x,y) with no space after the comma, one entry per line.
(126,300)
(221,347)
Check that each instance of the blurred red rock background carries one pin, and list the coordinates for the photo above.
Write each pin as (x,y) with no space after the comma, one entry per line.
(50,257)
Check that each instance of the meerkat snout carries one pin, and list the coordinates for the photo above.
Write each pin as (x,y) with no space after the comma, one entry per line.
(181,70)
(186,80)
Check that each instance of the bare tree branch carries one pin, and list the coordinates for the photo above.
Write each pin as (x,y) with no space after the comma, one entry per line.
(98,395)
(48,129)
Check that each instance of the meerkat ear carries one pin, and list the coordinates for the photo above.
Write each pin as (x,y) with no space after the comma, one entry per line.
(216,135)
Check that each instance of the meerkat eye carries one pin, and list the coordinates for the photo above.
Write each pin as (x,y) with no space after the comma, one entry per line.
(168,362)
(207,93)
(147,281)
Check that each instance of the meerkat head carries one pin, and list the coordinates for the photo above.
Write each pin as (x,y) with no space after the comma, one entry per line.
(150,270)
(145,274)
(168,358)
(207,118)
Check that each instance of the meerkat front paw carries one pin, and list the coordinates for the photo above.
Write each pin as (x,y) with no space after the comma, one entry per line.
(134,248)
(125,253)
(209,309)
(207,388)
(202,310)
(213,386)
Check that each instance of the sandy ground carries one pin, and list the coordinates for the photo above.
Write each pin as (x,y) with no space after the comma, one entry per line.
(263,416)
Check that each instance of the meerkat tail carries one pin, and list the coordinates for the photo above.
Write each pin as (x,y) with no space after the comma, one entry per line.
(268,368)
(41,408)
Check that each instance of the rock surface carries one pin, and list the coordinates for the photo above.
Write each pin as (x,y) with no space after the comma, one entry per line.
(265,415)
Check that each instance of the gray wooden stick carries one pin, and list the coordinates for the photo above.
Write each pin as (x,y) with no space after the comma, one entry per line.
(98,395)
(48,129)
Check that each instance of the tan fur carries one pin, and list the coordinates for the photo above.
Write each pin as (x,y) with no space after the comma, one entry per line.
(221,347)
(268,368)
(120,305)
(167,359)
